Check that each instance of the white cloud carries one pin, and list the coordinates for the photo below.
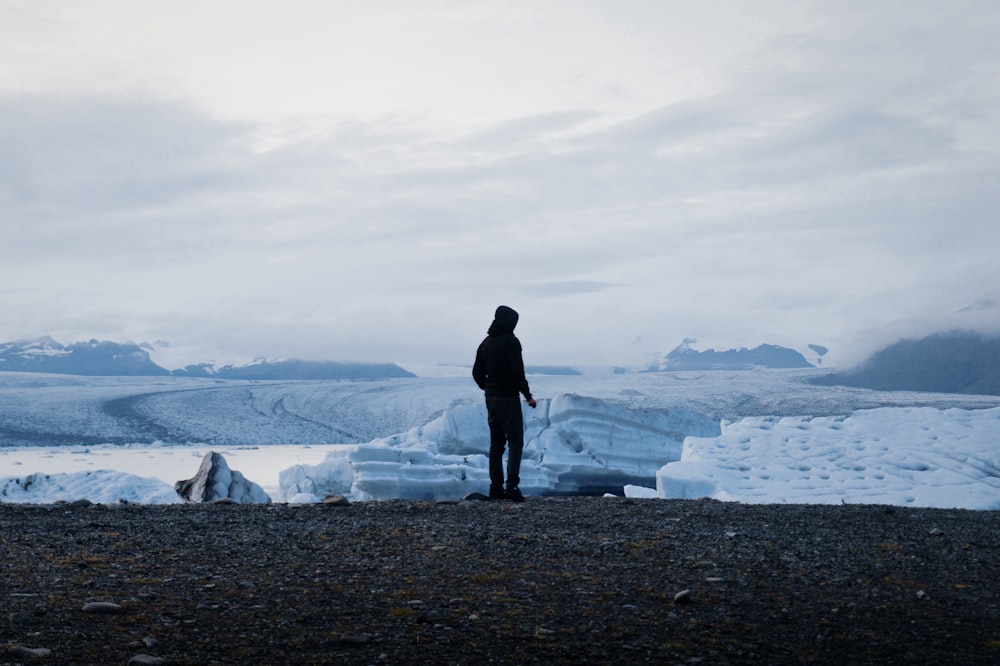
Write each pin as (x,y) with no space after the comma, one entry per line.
(241,180)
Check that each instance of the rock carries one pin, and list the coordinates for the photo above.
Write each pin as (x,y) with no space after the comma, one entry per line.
(22,620)
(215,481)
(29,652)
(682,597)
(336,500)
(101,607)
(937,531)
(146,659)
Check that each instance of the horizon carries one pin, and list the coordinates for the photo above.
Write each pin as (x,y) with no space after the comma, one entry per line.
(161,350)
(817,356)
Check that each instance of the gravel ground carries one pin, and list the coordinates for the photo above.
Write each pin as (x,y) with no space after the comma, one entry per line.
(555,580)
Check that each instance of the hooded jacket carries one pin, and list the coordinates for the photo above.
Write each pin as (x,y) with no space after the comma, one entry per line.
(499,367)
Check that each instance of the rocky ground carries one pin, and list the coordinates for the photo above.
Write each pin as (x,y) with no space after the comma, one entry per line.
(556,580)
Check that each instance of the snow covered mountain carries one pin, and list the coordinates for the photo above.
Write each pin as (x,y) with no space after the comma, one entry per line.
(113,359)
(295,369)
(684,357)
(93,358)
(950,362)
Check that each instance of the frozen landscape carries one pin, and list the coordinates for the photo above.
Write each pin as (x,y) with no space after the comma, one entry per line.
(750,436)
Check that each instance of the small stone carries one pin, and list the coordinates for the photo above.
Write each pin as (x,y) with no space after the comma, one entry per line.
(22,620)
(682,597)
(937,532)
(146,659)
(29,652)
(357,639)
(336,500)
(101,607)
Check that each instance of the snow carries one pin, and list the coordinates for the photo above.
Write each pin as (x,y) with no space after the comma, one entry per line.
(903,456)
(756,436)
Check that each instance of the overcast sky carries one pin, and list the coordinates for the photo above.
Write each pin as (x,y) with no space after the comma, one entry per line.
(369,180)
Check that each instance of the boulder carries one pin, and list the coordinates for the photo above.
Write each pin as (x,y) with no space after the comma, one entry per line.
(215,481)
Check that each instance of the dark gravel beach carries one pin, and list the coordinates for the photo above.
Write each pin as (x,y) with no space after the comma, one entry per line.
(557,580)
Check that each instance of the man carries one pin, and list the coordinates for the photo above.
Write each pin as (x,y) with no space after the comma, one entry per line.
(499,371)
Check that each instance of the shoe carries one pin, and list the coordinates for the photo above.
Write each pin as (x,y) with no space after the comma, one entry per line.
(514,495)
(496,493)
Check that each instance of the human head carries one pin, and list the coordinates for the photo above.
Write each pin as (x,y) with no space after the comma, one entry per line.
(504,320)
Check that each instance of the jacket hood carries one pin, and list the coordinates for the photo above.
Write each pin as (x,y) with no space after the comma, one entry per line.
(504,321)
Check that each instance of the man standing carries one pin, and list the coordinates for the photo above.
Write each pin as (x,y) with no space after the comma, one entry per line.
(499,371)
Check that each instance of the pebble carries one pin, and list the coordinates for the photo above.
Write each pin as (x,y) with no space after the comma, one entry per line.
(146,659)
(101,607)
(29,652)
(682,597)
(22,620)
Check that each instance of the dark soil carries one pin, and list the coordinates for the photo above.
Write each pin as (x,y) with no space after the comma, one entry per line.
(559,580)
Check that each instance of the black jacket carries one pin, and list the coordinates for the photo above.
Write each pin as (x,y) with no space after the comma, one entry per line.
(499,367)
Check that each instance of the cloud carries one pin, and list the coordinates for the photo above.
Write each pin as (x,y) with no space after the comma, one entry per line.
(832,173)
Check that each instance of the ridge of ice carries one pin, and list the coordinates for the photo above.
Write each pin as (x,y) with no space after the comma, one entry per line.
(572,444)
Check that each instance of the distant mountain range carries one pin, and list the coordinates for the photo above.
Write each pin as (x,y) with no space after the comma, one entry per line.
(114,359)
(683,357)
(949,362)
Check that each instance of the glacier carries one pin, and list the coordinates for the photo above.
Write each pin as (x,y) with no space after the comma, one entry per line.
(755,436)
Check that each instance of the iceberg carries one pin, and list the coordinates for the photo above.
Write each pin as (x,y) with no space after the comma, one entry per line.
(914,456)
(573,445)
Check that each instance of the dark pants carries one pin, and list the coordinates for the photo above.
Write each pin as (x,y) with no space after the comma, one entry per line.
(506,427)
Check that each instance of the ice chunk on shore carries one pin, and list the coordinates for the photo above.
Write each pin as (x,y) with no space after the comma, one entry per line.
(216,481)
(913,456)
(99,486)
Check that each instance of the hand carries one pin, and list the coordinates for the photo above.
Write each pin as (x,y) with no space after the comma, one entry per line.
(532,403)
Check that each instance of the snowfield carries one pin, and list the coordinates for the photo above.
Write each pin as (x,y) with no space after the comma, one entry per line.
(749,436)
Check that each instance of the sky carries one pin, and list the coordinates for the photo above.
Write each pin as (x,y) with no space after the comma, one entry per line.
(332,180)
